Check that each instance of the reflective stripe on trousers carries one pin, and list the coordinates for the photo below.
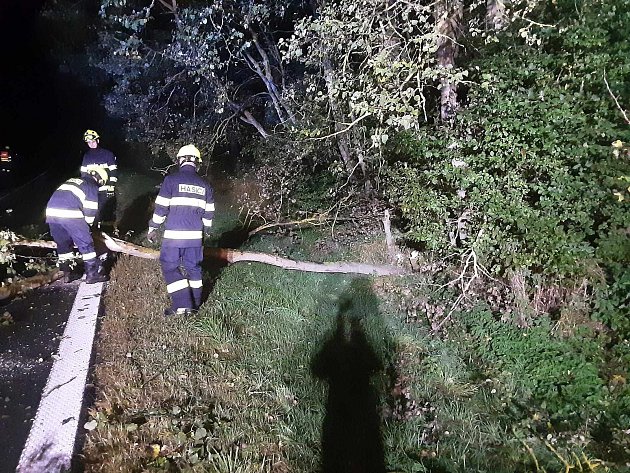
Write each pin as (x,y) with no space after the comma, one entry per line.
(181,268)
(75,232)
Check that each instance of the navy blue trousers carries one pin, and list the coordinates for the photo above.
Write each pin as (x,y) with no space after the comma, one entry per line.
(75,232)
(181,268)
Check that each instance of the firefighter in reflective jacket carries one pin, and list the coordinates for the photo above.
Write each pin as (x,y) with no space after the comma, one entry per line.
(5,159)
(6,166)
(186,203)
(97,156)
(69,212)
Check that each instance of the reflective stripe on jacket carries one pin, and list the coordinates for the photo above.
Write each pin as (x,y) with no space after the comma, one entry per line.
(74,199)
(186,203)
(104,158)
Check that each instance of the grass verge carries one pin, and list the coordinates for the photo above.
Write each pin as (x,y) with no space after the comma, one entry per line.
(298,372)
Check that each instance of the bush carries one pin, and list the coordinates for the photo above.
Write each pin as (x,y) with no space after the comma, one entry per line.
(292,176)
(556,375)
(527,174)
(612,303)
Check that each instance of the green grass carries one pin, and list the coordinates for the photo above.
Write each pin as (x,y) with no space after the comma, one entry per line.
(276,319)
(279,365)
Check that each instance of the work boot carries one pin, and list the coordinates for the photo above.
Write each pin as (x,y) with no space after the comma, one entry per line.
(91,273)
(69,273)
(170,312)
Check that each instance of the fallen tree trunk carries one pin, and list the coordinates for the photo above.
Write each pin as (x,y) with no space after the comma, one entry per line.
(228,255)
(26,284)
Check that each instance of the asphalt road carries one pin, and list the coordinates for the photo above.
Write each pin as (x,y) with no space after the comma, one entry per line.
(22,209)
(30,341)
(27,349)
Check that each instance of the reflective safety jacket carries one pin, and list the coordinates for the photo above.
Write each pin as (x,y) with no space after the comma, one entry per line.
(73,200)
(186,203)
(5,161)
(105,158)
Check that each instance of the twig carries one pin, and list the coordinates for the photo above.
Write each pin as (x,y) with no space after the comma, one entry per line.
(532,22)
(616,101)
(477,268)
(349,176)
(318,220)
(565,463)
(340,131)
(533,455)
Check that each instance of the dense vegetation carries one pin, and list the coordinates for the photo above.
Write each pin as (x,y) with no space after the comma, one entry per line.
(496,134)
(337,99)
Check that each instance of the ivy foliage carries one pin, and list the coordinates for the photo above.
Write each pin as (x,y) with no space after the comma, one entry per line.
(527,175)
(560,376)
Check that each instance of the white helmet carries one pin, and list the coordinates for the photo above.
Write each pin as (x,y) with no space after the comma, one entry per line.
(189,154)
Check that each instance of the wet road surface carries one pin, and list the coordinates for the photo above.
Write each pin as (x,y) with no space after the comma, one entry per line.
(27,349)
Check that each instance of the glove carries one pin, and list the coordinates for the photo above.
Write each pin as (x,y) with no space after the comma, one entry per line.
(151,235)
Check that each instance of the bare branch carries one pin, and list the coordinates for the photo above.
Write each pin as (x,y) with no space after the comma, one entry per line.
(230,256)
(319,219)
(340,131)
(247,117)
(616,101)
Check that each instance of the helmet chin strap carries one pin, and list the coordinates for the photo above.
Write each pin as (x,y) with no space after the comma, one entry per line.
(189,162)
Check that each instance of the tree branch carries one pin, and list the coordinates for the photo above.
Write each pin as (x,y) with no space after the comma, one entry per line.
(616,101)
(234,256)
(340,131)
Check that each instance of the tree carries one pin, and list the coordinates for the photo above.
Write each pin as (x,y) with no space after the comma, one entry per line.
(197,67)
(448,18)
(526,170)
(373,72)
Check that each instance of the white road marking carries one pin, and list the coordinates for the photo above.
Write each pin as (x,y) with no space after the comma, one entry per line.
(50,443)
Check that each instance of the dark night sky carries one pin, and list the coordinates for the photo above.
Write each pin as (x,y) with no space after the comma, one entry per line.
(26,76)
(44,112)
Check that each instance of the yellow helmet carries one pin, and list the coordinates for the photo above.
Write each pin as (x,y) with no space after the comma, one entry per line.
(99,173)
(189,151)
(90,135)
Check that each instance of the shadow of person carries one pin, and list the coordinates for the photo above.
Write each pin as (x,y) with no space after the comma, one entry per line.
(351,436)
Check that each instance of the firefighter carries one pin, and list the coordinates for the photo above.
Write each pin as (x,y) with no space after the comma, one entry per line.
(5,157)
(98,156)
(6,166)
(69,212)
(185,202)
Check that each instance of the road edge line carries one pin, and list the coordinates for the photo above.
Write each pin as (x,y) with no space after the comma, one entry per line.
(51,440)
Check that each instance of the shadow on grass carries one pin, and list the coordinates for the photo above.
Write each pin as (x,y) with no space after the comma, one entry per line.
(351,432)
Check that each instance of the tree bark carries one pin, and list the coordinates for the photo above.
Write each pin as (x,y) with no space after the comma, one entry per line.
(495,15)
(26,284)
(448,14)
(342,139)
(247,117)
